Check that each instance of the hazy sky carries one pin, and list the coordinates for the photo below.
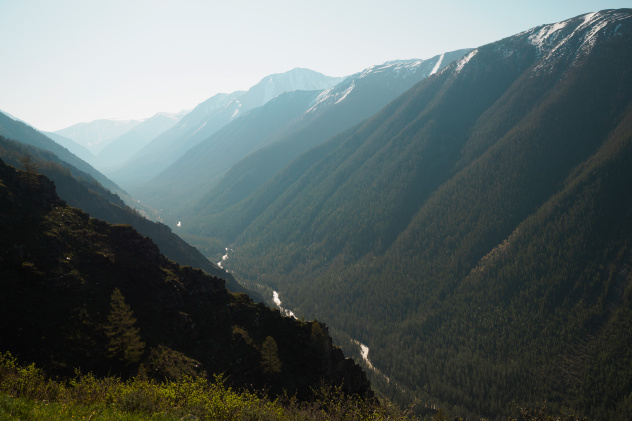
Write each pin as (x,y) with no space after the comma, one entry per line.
(69,61)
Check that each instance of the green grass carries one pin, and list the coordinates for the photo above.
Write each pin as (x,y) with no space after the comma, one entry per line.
(26,394)
(12,408)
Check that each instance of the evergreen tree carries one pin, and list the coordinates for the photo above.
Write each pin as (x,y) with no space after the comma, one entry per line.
(270,362)
(30,169)
(124,343)
(319,340)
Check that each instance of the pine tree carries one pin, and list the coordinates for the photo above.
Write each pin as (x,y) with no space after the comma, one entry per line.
(319,340)
(30,169)
(270,362)
(124,343)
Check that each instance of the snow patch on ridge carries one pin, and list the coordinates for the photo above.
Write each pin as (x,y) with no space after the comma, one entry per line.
(589,38)
(406,69)
(461,63)
(539,38)
(437,65)
(330,96)
(346,92)
(578,43)
(323,97)
(338,93)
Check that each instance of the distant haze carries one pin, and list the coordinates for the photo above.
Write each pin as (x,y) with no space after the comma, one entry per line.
(71,61)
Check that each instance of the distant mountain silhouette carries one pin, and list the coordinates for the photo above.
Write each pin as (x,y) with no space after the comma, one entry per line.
(206,119)
(130,142)
(97,134)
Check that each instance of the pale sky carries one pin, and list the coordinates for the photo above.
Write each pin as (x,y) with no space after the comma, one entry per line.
(70,61)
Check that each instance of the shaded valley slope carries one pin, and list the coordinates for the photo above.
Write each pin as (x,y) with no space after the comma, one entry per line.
(79,293)
(80,190)
(475,232)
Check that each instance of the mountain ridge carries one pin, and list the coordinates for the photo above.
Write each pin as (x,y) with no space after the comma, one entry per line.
(81,191)
(14,129)
(199,124)
(334,110)
(97,134)
(133,140)
(380,231)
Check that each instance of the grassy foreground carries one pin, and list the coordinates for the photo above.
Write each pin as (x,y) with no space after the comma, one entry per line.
(26,394)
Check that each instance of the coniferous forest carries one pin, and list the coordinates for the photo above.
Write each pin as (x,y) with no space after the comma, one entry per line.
(474,233)
(465,235)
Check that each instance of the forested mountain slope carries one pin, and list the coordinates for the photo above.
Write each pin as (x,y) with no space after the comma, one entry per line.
(474,233)
(333,111)
(80,294)
(14,129)
(182,184)
(80,190)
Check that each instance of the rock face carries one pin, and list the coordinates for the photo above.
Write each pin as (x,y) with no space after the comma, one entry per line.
(58,269)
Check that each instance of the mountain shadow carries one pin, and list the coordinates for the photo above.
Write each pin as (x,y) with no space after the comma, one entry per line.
(79,293)
(80,190)
(474,233)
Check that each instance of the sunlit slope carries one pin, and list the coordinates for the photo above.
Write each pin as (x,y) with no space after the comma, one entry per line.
(206,119)
(331,112)
(181,185)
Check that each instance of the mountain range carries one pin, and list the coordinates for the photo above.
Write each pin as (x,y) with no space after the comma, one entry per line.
(473,233)
(252,148)
(97,134)
(15,129)
(133,140)
(108,143)
(206,119)
(462,223)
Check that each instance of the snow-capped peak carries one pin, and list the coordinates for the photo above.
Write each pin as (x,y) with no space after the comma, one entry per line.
(576,36)
(400,69)
(569,40)
(437,65)
(539,38)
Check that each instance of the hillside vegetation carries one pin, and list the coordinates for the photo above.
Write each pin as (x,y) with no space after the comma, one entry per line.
(79,293)
(80,190)
(475,232)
